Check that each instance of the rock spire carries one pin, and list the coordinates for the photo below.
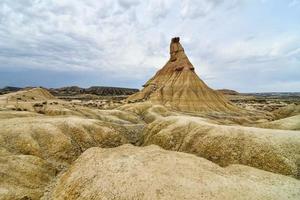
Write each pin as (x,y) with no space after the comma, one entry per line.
(178,87)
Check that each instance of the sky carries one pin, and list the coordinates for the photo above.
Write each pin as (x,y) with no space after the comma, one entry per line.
(244,45)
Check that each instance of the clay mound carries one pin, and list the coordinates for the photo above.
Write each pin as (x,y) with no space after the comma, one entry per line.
(177,86)
(147,111)
(56,107)
(60,140)
(287,111)
(24,176)
(34,149)
(15,114)
(276,151)
(289,123)
(129,172)
(38,148)
(150,112)
(35,94)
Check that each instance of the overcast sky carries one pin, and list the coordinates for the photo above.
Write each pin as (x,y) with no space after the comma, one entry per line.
(245,45)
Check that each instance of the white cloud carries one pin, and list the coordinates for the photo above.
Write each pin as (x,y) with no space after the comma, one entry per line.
(128,39)
(201,8)
(128,3)
(197,8)
(258,49)
(159,8)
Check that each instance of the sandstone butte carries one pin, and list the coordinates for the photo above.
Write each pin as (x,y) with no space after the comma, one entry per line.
(177,86)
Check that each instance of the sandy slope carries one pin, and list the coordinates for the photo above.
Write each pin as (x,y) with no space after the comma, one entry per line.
(129,172)
(275,151)
(35,94)
(289,123)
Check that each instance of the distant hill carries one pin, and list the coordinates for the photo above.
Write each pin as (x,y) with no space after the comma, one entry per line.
(9,89)
(228,92)
(75,90)
(96,90)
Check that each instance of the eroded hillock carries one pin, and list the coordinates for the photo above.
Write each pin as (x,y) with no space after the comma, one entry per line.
(39,149)
(129,172)
(272,150)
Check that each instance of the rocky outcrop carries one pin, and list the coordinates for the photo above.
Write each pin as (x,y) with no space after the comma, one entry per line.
(60,140)
(24,176)
(272,150)
(129,172)
(33,150)
(287,111)
(289,123)
(178,87)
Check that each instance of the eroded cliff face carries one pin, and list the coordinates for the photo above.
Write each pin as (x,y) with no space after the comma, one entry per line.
(178,87)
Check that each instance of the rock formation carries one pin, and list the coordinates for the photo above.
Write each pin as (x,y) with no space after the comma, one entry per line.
(145,173)
(33,150)
(271,150)
(177,86)
(32,94)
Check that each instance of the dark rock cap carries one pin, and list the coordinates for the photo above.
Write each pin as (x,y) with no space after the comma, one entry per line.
(175,40)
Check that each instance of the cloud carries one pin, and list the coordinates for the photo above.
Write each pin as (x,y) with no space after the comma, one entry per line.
(258,50)
(252,65)
(128,40)
(128,3)
(68,35)
(194,9)
(62,31)
(159,8)
(200,8)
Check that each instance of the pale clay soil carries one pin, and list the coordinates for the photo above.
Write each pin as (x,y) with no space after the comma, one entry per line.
(55,149)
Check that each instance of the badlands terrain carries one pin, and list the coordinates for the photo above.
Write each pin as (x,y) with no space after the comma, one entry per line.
(175,139)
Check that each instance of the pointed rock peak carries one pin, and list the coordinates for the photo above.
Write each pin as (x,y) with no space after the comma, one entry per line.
(177,86)
(175,40)
(175,48)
